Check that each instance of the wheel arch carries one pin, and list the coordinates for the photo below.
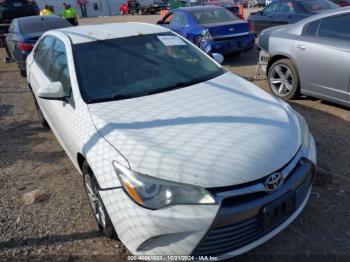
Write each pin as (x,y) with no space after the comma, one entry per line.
(80,160)
(276,58)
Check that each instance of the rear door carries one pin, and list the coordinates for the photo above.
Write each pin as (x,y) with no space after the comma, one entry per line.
(323,57)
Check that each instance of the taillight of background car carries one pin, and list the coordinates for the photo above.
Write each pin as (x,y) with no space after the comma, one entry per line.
(25,47)
(251,28)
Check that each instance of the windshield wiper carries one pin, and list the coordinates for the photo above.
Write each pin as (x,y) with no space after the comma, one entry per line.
(111,98)
(177,86)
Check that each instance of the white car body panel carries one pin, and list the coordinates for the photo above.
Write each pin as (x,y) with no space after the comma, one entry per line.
(227,141)
(175,230)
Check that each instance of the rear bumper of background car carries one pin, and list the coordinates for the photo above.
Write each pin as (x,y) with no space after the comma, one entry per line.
(264,59)
(21,59)
(229,45)
(239,222)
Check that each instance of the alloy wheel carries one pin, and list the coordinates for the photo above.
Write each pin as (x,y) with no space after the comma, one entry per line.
(95,201)
(281,80)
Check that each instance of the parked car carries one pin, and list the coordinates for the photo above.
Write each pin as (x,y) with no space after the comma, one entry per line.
(310,57)
(214,29)
(281,12)
(24,32)
(342,3)
(165,139)
(230,6)
(256,3)
(147,7)
(250,3)
(11,9)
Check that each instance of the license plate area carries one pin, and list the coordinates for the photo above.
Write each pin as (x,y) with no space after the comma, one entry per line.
(264,59)
(278,210)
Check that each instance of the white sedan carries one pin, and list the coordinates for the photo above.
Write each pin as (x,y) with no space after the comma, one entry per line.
(178,155)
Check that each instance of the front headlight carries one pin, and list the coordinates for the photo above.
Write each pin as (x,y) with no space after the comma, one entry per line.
(307,140)
(154,193)
(304,132)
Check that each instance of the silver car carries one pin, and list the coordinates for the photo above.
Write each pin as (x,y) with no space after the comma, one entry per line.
(311,57)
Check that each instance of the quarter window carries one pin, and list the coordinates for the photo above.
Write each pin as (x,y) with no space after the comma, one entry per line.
(311,29)
(58,70)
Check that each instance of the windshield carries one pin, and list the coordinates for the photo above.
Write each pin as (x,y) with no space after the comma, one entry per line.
(317,5)
(29,26)
(140,65)
(213,15)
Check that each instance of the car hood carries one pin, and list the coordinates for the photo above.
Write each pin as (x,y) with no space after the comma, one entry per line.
(222,132)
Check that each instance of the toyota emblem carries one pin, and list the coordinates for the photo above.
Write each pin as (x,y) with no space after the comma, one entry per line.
(273,182)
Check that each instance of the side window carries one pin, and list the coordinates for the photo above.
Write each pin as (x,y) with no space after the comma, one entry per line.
(335,27)
(179,19)
(58,70)
(286,7)
(272,8)
(43,53)
(311,29)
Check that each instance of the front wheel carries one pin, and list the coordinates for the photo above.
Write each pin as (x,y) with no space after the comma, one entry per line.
(283,79)
(23,73)
(100,213)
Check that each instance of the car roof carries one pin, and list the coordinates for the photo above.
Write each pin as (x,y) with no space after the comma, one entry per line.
(297,27)
(90,33)
(199,8)
(37,18)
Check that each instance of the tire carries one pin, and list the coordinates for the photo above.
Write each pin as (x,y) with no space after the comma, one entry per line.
(100,213)
(283,79)
(40,114)
(23,73)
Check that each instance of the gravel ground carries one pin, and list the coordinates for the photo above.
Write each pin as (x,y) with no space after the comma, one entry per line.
(61,227)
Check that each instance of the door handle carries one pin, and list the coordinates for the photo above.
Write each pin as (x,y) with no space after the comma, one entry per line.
(301,47)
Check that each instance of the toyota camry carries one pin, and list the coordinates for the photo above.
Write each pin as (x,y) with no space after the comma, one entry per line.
(178,156)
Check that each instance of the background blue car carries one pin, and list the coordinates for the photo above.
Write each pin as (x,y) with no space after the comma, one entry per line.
(214,29)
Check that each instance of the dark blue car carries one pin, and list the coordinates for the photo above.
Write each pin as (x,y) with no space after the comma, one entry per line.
(25,31)
(214,29)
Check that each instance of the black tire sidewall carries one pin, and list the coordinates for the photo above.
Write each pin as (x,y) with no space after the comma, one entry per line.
(40,114)
(295,87)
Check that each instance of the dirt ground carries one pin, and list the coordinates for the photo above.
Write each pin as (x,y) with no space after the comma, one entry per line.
(61,225)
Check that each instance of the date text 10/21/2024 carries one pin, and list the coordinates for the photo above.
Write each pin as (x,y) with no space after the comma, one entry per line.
(173,258)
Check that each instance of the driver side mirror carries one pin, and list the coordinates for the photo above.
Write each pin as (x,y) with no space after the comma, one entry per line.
(53,91)
(219,58)
(160,22)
